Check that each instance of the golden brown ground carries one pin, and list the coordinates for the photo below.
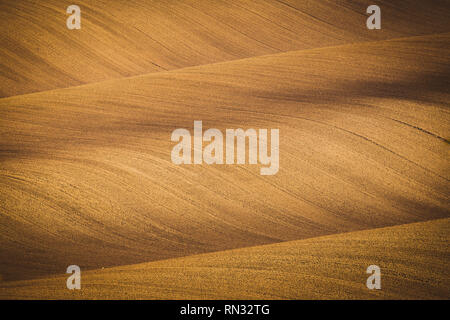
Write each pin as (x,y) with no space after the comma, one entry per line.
(125,38)
(413,259)
(86,176)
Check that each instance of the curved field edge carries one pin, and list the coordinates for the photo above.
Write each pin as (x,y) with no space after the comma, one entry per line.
(413,259)
(120,39)
(86,176)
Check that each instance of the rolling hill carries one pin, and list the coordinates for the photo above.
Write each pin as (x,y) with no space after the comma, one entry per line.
(330,267)
(126,38)
(86,175)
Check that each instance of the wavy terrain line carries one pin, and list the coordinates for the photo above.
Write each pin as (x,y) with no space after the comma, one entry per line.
(413,259)
(86,176)
(125,38)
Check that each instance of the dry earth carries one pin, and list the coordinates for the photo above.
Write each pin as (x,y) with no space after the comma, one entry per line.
(126,38)
(329,267)
(86,176)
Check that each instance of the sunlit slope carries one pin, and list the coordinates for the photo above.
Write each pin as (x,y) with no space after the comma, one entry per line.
(125,38)
(413,259)
(87,179)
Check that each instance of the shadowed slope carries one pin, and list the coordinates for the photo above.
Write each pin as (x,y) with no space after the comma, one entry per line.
(125,38)
(413,259)
(86,176)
